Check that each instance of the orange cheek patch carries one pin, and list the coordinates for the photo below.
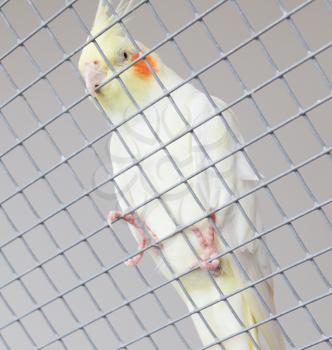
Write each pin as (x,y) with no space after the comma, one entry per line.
(141,67)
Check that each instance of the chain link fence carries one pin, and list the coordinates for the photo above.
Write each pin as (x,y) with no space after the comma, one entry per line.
(63,281)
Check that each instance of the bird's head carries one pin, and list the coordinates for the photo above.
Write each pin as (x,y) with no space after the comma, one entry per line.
(113,51)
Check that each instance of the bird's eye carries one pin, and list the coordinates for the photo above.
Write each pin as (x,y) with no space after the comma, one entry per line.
(125,55)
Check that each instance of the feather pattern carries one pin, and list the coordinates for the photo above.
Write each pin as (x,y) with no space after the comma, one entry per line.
(107,13)
(239,177)
(180,205)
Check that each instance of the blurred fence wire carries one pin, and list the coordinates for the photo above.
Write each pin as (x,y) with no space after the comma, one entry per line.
(63,282)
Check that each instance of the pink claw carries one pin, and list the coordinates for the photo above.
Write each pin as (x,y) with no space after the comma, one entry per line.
(213,217)
(143,240)
(112,216)
(135,260)
(213,265)
(208,244)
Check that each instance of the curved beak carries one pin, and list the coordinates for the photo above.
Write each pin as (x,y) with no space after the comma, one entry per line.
(93,76)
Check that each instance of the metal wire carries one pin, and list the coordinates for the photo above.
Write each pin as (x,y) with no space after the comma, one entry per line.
(20,319)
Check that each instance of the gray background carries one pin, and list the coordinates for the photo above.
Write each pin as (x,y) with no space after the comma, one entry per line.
(57,280)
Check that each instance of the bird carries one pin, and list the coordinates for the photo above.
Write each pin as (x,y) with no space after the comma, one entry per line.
(179,174)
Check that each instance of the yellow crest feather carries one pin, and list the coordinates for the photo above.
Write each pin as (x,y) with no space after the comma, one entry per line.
(107,14)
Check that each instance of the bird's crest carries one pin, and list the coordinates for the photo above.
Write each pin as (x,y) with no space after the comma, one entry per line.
(107,14)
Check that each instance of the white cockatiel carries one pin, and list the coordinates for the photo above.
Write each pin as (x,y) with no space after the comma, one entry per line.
(183,203)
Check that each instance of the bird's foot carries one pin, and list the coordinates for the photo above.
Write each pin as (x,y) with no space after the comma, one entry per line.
(143,239)
(208,244)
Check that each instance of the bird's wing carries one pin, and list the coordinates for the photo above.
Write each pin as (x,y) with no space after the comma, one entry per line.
(239,177)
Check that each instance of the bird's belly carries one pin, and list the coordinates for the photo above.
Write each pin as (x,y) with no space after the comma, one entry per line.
(156,190)
(159,174)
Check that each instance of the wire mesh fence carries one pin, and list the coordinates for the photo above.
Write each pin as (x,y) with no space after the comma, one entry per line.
(63,279)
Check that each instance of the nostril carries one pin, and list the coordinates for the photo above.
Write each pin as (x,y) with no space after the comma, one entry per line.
(96,62)
(96,86)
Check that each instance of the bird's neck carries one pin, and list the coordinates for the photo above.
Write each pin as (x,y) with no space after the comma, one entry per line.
(125,107)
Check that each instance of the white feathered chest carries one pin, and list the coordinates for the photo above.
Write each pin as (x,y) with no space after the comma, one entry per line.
(177,178)
(175,185)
